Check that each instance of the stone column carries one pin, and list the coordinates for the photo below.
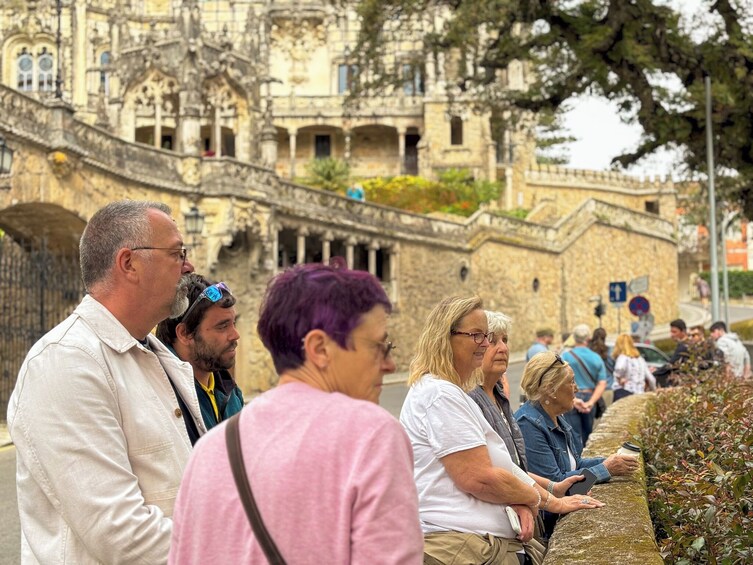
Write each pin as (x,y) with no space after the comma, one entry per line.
(373,247)
(300,252)
(350,243)
(158,123)
(326,246)
(217,132)
(292,134)
(401,149)
(275,233)
(394,273)
(347,145)
(78,86)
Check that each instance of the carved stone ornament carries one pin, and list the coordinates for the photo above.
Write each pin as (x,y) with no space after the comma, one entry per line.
(190,170)
(61,164)
(298,39)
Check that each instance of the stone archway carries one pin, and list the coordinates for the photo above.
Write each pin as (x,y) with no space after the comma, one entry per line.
(40,281)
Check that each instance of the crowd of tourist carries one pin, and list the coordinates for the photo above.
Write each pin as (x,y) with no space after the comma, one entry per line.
(137,448)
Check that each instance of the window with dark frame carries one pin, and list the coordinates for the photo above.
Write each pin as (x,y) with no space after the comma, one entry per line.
(322,146)
(456,130)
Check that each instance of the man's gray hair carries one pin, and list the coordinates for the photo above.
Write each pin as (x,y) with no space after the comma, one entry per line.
(111,228)
(498,322)
(581,333)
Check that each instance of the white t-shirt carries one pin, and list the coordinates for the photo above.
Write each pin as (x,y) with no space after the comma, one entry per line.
(441,419)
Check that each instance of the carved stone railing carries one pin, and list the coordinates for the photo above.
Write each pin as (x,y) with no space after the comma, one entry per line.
(331,106)
(23,115)
(225,175)
(552,175)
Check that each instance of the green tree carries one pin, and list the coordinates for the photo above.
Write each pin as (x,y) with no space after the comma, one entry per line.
(328,174)
(634,52)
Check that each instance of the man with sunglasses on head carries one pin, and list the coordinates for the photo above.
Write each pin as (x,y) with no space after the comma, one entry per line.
(101,409)
(206,337)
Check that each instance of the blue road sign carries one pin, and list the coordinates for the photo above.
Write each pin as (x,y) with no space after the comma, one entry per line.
(618,292)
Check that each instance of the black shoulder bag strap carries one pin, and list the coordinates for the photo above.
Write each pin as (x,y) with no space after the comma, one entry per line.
(235,454)
(582,364)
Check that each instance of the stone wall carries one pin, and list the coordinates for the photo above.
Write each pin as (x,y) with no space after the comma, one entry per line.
(620,533)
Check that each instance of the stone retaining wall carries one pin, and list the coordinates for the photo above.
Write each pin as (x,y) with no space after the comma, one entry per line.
(621,533)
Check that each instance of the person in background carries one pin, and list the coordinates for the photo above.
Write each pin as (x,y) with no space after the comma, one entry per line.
(704,291)
(206,337)
(735,354)
(702,350)
(103,415)
(463,469)
(631,374)
(331,471)
(598,345)
(677,331)
(553,451)
(544,338)
(591,378)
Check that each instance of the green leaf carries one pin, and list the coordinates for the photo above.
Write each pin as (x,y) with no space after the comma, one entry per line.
(698,543)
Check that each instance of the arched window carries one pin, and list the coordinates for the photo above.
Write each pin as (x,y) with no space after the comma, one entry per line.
(104,77)
(456,130)
(46,71)
(25,71)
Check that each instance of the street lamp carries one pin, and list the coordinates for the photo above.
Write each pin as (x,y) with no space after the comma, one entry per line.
(194,224)
(6,157)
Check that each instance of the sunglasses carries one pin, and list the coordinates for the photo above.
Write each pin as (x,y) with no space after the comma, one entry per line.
(557,359)
(212,293)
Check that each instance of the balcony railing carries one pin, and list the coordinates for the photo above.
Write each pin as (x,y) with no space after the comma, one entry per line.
(334,106)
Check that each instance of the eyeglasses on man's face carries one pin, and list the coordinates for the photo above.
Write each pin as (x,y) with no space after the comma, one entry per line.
(557,359)
(212,293)
(478,337)
(181,251)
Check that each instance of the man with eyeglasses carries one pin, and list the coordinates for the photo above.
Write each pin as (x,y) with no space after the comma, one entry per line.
(101,411)
(206,337)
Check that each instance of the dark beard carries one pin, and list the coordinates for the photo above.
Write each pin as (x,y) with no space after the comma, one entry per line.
(207,359)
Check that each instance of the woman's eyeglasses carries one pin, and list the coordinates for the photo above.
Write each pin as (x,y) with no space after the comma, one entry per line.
(478,337)
(557,359)
(212,293)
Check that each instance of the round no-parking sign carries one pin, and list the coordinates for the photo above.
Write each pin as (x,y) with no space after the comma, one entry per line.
(639,306)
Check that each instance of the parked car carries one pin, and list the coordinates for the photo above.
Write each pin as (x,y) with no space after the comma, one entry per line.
(654,356)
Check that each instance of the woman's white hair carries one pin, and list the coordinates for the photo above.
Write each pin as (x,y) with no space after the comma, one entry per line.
(499,323)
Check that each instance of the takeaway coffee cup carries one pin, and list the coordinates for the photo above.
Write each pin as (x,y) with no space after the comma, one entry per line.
(630,449)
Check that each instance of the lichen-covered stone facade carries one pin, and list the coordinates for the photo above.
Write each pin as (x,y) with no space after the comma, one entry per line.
(182,109)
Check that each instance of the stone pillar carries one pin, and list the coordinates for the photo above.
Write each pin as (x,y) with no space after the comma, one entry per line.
(394,273)
(326,246)
(508,188)
(78,86)
(347,145)
(275,233)
(217,132)
(189,125)
(373,247)
(158,123)
(401,149)
(293,134)
(300,252)
(269,146)
(350,243)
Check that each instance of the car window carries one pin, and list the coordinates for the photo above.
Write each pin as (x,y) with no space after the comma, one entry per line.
(652,355)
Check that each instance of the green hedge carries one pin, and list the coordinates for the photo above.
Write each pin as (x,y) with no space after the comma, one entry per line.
(740,282)
(698,443)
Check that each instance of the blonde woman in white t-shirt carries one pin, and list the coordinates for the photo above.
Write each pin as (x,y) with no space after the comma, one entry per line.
(631,374)
(465,477)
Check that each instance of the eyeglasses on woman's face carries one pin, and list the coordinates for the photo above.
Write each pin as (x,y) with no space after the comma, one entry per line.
(478,337)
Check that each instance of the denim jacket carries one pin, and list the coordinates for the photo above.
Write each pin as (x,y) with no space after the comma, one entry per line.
(546,446)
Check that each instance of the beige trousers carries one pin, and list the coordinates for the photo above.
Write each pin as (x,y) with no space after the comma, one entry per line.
(459,548)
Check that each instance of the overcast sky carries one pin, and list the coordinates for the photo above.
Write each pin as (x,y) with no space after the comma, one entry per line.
(602,135)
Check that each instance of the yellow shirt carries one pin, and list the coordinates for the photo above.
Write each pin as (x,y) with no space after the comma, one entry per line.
(210,391)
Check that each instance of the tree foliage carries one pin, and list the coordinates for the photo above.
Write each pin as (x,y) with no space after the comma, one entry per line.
(634,52)
(328,174)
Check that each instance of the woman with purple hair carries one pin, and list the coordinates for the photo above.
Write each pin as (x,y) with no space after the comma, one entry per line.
(331,471)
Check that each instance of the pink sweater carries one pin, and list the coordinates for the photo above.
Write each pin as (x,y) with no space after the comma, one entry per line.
(332,476)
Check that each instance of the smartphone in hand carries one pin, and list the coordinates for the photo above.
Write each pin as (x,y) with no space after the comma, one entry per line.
(514,520)
(582,487)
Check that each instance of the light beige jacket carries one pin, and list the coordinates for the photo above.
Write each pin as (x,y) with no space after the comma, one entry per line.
(101,442)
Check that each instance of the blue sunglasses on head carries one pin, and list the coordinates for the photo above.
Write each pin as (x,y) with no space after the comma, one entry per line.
(212,293)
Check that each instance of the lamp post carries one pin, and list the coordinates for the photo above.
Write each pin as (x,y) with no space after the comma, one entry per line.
(194,224)
(58,42)
(6,157)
